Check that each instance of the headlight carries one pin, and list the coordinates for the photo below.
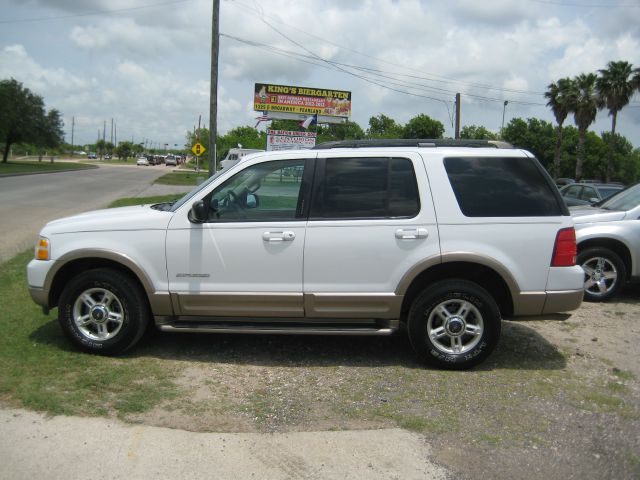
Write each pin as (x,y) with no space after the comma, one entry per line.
(43,249)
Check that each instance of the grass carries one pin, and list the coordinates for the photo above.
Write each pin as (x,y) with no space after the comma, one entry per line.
(39,368)
(129,201)
(14,168)
(180,178)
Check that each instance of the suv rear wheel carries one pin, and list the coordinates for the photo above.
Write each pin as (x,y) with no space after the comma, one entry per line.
(103,311)
(454,324)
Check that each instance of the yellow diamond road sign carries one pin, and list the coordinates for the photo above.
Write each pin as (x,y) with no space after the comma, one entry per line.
(198,149)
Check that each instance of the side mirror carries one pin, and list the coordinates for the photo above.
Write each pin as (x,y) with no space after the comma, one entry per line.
(199,212)
(252,200)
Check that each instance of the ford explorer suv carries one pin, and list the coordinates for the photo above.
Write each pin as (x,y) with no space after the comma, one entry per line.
(438,238)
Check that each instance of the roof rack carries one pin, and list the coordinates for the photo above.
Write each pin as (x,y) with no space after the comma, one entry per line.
(413,142)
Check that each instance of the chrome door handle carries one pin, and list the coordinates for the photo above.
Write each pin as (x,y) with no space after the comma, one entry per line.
(286,236)
(411,233)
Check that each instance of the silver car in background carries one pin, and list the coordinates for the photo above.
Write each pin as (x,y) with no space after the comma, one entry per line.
(608,237)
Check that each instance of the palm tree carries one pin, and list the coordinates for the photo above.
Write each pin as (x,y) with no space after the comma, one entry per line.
(558,96)
(615,85)
(584,103)
(636,79)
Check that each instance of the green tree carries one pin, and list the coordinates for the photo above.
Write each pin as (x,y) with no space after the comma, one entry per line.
(584,103)
(101,147)
(616,86)
(476,132)
(534,135)
(22,115)
(383,127)
(240,137)
(334,132)
(559,102)
(423,126)
(627,166)
(50,134)
(291,125)
(124,150)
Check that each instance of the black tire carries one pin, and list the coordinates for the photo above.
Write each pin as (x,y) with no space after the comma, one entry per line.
(604,273)
(103,311)
(454,324)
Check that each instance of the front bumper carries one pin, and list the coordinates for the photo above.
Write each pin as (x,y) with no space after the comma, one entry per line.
(36,278)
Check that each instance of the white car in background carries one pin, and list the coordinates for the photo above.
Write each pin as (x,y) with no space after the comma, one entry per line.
(142,161)
(608,237)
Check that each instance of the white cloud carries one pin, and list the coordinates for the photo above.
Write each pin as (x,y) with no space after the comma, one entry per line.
(149,67)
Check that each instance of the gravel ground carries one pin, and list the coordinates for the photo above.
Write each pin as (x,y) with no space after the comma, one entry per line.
(559,398)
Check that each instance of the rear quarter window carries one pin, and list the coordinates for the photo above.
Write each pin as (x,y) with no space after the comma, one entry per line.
(501,187)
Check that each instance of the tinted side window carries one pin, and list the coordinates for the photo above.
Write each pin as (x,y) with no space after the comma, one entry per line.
(501,187)
(366,188)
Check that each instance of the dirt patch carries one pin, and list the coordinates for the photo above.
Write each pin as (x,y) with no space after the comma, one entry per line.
(559,398)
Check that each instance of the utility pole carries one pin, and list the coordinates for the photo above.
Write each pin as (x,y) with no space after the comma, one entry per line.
(111,131)
(213,99)
(73,126)
(457,115)
(504,109)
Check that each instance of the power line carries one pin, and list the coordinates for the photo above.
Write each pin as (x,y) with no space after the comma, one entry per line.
(424,76)
(331,65)
(95,13)
(585,5)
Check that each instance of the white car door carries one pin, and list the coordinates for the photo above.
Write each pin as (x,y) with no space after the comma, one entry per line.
(246,258)
(371,221)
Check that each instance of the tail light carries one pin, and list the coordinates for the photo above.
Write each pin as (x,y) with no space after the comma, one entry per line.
(565,250)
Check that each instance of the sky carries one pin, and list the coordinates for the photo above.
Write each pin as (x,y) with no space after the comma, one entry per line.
(146,63)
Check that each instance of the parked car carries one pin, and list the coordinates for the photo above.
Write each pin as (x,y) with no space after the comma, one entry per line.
(608,239)
(170,160)
(588,193)
(561,182)
(142,161)
(370,236)
(92,156)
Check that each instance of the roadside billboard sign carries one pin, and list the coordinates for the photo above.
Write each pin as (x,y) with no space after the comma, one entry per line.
(289,140)
(303,100)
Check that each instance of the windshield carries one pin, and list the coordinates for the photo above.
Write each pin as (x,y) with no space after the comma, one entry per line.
(624,200)
(194,192)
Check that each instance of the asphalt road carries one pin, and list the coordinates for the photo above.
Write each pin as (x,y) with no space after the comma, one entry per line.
(27,202)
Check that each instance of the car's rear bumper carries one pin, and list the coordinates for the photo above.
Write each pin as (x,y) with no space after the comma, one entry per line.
(541,303)
(563,301)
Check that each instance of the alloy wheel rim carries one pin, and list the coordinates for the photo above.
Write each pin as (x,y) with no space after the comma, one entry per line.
(600,276)
(98,314)
(455,326)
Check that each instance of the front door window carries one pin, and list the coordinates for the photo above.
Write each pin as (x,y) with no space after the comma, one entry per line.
(265,192)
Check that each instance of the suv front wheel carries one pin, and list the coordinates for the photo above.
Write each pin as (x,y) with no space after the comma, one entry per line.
(454,324)
(103,311)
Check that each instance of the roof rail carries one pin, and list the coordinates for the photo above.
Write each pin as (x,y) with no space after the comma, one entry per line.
(413,142)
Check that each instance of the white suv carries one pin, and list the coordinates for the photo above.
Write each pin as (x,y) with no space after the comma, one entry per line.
(444,238)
